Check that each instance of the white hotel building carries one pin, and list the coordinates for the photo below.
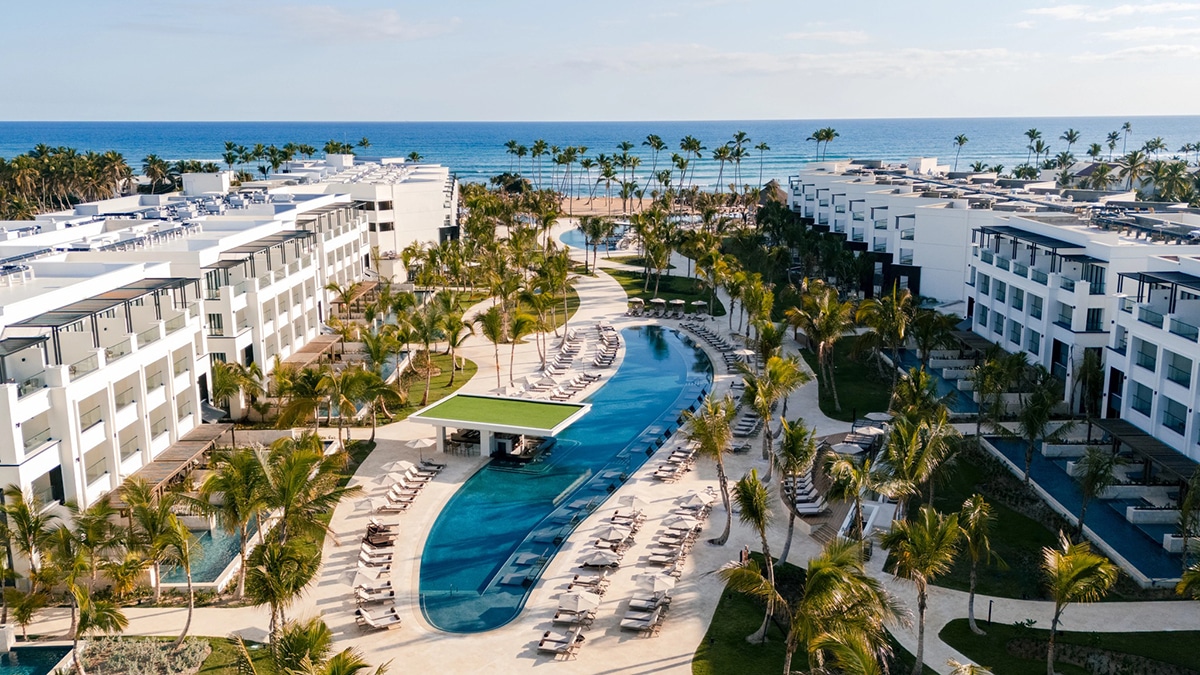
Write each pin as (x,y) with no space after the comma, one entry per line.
(1038,269)
(111,313)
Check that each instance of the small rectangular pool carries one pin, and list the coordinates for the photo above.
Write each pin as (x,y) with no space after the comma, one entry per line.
(214,550)
(960,402)
(32,660)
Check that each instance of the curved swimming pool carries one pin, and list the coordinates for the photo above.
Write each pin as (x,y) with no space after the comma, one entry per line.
(495,535)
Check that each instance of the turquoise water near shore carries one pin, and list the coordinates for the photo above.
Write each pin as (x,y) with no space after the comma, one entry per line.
(475,150)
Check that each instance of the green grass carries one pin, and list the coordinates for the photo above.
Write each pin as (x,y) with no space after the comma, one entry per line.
(860,386)
(633,260)
(1177,648)
(671,288)
(537,414)
(724,650)
(223,659)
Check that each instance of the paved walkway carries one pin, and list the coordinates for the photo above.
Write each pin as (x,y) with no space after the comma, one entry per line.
(418,647)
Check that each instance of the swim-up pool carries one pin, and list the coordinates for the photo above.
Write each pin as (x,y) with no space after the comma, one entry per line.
(496,534)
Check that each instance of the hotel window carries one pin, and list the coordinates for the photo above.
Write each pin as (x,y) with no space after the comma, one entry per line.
(1035,306)
(1014,332)
(1001,290)
(1018,299)
(1095,320)
(1140,397)
(985,284)
(1033,342)
(1179,368)
(385,206)
(1174,415)
(386,227)
(1146,354)
(371,227)
(217,356)
(216,325)
(998,323)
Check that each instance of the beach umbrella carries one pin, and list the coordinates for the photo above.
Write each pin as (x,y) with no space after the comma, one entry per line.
(681,522)
(879,416)
(600,558)
(533,379)
(579,602)
(613,533)
(677,302)
(847,448)
(634,502)
(388,478)
(421,443)
(699,303)
(657,301)
(400,466)
(657,583)
(636,301)
(869,431)
(370,504)
(694,500)
(362,576)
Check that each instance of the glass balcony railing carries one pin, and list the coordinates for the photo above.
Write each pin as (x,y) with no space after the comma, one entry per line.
(154,381)
(31,384)
(908,235)
(880,223)
(1066,284)
(129,448)
(1039,276)
(839,209)
(180,366)
(1178,375)
(175,323)
(159,427)
(264,281)
(1020,269)
(125,397)
(241,288)
(1147,361)
(1126,305)
(121,349)
(1185,330)
(823,202)
(184,411)
(147,336)
(38,439)
(1095,288)
(987,256)
(1149,316)
(1002,263)
(1176,424)
(91,417)
(857,216)
(84,366)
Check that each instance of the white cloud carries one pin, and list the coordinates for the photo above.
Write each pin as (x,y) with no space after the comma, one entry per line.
(1024,25)
(841,37)
(1158,52)
(1151,33)
(1093,14)
(913,63)
(327,21)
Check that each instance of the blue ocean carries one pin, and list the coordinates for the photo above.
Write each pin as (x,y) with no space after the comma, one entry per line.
(475,150)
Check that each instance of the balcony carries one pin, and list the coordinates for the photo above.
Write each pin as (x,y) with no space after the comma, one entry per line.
(129,448)
(31,384)
(154,381)
(908,235)
(1020,269)
(858,216)
(1039,277)
(38,439)
(176,323)
(119,350)
(84,366)
(880,223)
(1147,361)
(839,209)
(1179,376)
(1002,263)
(1176,424)
(1185,330)
(1096,288)
(1151,317)
(180,366)
(1064,320)
(91,418)
(823,202)
(1066,284)
(1126,305)
(987,256)
(125,397)
(151,334)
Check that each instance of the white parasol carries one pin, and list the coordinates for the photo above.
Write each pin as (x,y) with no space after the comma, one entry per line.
(657,301)
(613,533)
(847,448)
(634,502)
(879,416)
(370,504)
(421,444)
(579,602)
(681,522)
(400,466)
(600,558)
(694,500)
(656,583)
(869,431)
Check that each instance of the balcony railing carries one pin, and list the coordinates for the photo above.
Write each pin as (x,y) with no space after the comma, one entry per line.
(1096,288)
(122,348)
(40,438)
(1185,330)
(857,216)
(987,256)
(129,448)
(908,235)
(1066,284)
(31,384)
(96,470)
(125,397)
(83,366)
(154,381)
(185,410)
(1039,276)
(175,323)
(906,258)
(91,418)
(1002,263)
(1176,424)
(823,202)
(1059,370)
(1064,320)
(840,208)
(1020,269)
(1149,316)
(159,427)
(241,288)
(180,366)
(1126,305)
(1179,375)
(1147,361)
(147,336)
(880,223)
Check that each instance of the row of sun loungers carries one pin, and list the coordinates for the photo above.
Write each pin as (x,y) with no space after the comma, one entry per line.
(747,425)
(610,343)
(715,341)
(407,486)
(805,498)
(375,558)
(678,463)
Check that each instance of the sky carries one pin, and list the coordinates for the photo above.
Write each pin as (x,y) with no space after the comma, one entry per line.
(504,60)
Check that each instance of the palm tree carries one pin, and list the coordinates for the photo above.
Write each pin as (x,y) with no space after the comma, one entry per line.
(340,390)
(302,396)
(302,484)
(522,326)
(151,519)
(96,533)
(30,525)
(957,668)
(779,378)
(231,380)
(932,330)
(1096,471)
(761,148)
(709,427)
(797,452)
(914,451)
(279,572)
(95,616)
(916,398)
(753,501)
(1071,136)
(824,318)
(491,325)
(976,520)
(1133,167)
(1189,513)
(1033,135)
(1033,417)
(959,141)
(235,493)
(992,378)
(887,320)
(922,550)
(183,547)
(377,394)
(1189,584)
(850,478)
(1073,574)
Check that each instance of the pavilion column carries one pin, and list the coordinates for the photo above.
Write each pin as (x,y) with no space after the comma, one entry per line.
(487,442)
(441,440)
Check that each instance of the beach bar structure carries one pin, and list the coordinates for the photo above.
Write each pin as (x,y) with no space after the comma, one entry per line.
(498,420)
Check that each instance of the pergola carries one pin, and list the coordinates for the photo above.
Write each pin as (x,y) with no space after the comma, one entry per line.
(177,458)
(1152,451)
(491,415)
(312,350)
(1172,280)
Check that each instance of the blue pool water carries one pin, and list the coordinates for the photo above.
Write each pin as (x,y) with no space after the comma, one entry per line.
(575,238)
(1141,545)
(214,550)
(492,539)
(960,402)
(31,660)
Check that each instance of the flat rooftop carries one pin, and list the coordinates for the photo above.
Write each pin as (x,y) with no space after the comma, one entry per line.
(502,414)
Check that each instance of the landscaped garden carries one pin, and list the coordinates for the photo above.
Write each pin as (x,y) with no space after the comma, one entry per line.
(861,387)
(670,288)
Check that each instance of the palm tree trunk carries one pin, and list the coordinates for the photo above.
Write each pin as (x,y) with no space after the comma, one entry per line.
(373,421)
(157,582)
(723,481)
(790,650)
(761,633)
(241,586)
(787,543)
(191,607)
(496,350)
(428,376)
(971,604)
(922,598)
(1050,647)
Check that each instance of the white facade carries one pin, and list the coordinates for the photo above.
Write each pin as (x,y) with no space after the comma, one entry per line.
(111,313)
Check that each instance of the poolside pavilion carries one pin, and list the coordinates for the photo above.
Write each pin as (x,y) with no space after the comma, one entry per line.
(501,422)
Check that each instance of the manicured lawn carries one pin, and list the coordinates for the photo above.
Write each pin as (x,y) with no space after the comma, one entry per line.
(1176,648)
(223,659)
(724,650)
(439,385)
(860,386)
(671,288)
(634,260)
(539,414)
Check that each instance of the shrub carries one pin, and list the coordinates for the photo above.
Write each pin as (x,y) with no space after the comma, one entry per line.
(143,656)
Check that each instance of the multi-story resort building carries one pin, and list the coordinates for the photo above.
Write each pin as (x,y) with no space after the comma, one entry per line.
(404,202)
(111,313)
(1035,268)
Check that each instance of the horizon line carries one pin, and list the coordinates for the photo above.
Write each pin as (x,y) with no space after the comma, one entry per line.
(592,121)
